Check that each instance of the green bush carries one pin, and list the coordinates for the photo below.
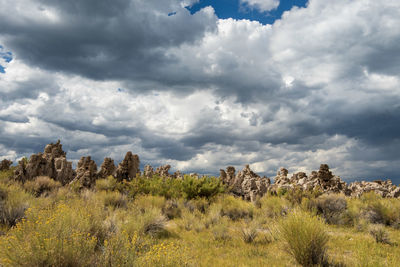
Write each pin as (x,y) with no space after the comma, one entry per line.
(206,187)
(305,237)
(188,187)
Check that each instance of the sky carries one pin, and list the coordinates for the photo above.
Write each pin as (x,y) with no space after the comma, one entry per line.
(202,85)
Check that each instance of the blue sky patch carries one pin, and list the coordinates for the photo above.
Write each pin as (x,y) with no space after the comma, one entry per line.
(6,56)
(233,9)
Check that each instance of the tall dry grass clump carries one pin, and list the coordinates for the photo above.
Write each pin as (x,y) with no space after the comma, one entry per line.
(42,185)
(305,237)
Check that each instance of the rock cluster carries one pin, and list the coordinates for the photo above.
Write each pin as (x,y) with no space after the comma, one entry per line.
(382,188)
(245,183)
(249,185)
(162,171)
(5,165)
(52,163)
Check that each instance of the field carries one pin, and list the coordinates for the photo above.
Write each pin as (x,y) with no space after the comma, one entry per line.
(190,222)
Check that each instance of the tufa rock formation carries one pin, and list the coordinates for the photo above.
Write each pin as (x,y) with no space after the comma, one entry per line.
(51,163)
(128,168)
(5,165)
(107,168)
(148,171)
(382,188)
(246,183)
(162,171)
(86,172)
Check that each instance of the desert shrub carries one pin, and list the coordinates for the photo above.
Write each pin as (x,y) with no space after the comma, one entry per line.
(249,231)
(121,249)
(149,221)
(167,253)
(108,184)
(191,221)
(361,225)
(273,206)
(200,204)
(379,233)
(234,208)
(59,236)
(144,202)
(305,237)
(114,199)
(213,215)
(12,207)
(3,193)
(172,209)
(378,210)
(221,231)
(332,208)
(6,174)
(297,195)
(41,185)
(205,187)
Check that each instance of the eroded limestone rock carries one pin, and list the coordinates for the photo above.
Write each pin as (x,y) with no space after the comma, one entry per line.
(148,171)
(86,172)
(5,165)
(128,168)
(52,163)
(107,168)
(162,171)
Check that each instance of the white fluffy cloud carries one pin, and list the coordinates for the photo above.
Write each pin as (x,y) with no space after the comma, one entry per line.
(261,5)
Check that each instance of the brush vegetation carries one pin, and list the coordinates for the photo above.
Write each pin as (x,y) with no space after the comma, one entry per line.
(190,222)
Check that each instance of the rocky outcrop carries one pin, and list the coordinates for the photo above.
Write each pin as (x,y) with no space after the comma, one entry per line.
(148,171)
(178,175)
(52,163)
(107,168)
(86,172)
(128,168)
(382,188)
(63,170)
(162,171)
(245,183)
(5,165)
(323,179)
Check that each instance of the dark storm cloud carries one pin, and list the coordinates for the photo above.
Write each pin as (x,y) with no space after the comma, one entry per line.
(124,39)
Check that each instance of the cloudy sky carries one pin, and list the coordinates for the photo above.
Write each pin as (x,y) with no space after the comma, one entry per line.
(205,84)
